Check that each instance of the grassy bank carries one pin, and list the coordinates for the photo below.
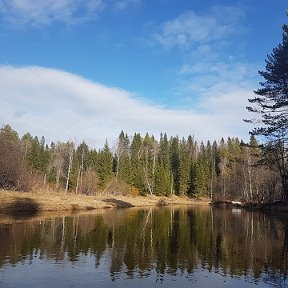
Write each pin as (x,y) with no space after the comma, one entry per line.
(12,201)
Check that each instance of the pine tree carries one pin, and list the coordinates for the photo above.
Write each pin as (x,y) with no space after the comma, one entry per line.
(271,103)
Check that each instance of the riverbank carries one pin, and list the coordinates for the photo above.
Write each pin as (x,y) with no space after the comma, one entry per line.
(12,201)
(276,206)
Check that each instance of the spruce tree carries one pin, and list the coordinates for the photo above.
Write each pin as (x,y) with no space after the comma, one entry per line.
(104,167)
(175,164)
(136,151)
(202,176)
(150,148)
(163,172)
(184,167)
(10,159)
(121,161)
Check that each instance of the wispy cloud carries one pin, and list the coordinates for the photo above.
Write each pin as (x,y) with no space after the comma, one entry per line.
(190,29)
(47,12)
(202,77)
(63,106)
(121,5)
(211,79)
(17,13)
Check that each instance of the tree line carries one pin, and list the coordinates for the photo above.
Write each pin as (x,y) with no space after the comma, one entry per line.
(139,165)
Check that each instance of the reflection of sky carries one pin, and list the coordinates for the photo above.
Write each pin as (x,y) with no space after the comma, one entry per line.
(46,273)
(167,247)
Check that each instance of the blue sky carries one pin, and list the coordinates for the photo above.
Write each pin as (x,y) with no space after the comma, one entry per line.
(85,69)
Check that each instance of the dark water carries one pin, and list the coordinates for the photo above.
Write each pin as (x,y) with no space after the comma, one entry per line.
(164,247)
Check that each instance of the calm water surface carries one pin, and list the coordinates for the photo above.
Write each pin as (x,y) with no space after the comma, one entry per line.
(164,247)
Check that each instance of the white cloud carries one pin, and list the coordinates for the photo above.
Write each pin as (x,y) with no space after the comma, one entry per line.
(63,106)
(190,28)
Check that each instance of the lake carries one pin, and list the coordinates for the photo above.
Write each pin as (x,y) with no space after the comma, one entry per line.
(158,247)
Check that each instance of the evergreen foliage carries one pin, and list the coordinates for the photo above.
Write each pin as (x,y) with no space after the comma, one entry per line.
(271,103)
(10,159)
(223,170)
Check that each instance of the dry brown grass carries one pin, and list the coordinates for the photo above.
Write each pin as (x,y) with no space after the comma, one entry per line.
(12,201)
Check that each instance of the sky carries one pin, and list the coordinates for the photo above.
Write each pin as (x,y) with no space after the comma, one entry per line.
(83,70)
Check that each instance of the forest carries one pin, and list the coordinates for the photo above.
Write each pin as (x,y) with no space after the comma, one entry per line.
(140,165)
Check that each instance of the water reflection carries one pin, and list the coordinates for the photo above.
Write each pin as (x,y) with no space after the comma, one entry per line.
(166,242)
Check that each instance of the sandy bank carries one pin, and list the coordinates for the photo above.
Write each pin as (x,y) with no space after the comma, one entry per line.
(11,201)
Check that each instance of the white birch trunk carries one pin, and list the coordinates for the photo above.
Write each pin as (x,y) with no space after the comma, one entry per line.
(69,167)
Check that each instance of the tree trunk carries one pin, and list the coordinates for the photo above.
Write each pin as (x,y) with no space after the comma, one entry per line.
(44,180)
(69,168)
(78,180)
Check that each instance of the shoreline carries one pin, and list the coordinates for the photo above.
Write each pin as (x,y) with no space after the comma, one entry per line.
(12,202)
(278,206)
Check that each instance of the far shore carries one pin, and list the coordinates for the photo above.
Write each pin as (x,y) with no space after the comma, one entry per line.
(43,201)
(278,206)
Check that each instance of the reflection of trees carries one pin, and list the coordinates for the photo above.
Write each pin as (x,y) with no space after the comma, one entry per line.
(277,272)
(284,262)
(167,240)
